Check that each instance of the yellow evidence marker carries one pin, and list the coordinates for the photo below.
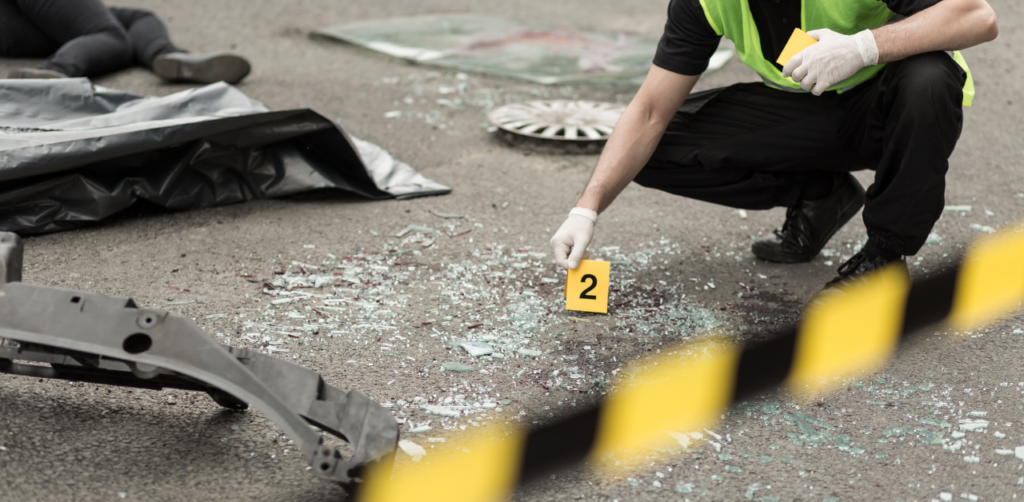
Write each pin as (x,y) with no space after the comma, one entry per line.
(798,41)
(586,288)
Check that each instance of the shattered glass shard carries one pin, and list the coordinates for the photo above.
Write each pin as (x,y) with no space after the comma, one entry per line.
(811,420)
(443,411)
(412,449)
(973,424)
(749,494)
(477,349)
(806,428)
(927,436)
(935,422)
(527,353)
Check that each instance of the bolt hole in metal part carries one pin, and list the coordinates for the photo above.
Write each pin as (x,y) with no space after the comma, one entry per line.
(76,299)
(147,320)
(137,343)
(324,466)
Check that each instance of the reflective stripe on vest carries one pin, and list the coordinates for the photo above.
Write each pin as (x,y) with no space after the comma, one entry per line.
(733,20)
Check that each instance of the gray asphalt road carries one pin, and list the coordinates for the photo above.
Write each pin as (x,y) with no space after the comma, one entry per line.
(935,424)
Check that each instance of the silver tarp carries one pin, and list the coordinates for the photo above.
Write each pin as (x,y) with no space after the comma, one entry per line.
(73,153)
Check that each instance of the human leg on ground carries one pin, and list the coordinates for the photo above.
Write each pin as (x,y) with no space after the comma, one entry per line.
(20,37)
(91,41)
(147,33)
(154,50)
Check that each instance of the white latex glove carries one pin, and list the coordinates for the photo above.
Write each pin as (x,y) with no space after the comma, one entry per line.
(571,240)
(836,57)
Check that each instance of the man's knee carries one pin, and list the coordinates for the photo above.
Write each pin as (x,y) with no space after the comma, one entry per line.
(121,50)
(927,77)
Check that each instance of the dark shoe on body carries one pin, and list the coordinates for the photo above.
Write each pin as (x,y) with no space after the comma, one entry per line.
(860,264)
(810,224)
(35,73)
(202,68)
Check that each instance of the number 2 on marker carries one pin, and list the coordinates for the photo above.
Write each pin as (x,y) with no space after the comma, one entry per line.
(593,284)
(586,288)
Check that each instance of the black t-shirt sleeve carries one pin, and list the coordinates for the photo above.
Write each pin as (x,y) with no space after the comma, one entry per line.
(689,41)
(909,7)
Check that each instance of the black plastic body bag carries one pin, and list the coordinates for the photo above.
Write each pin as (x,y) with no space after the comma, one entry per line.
(71,153)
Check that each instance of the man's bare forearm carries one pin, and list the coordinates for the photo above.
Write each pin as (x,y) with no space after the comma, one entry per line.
(635,137)
(631,144)
(946,26)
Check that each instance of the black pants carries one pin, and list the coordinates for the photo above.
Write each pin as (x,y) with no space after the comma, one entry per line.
(81,38)
(753,147)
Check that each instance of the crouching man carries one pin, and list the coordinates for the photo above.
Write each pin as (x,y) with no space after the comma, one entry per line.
(882,89)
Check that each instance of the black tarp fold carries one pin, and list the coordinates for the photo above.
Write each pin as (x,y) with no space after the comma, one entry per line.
(72,153)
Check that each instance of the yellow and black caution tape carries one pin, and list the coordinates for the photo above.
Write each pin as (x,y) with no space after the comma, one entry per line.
(845,331)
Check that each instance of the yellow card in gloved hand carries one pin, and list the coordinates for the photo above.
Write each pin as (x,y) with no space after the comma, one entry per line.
(586,288)
(798,41)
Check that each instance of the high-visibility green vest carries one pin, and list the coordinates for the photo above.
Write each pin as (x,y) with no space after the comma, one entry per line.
(733,20)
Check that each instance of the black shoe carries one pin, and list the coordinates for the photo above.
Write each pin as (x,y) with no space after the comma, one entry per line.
(202,68)
(35,73)
(810,224)
(860,264)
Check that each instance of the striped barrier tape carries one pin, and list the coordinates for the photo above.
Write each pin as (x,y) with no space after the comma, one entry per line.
(845,331)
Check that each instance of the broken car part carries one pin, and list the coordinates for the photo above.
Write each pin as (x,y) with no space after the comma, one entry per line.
(95,338)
